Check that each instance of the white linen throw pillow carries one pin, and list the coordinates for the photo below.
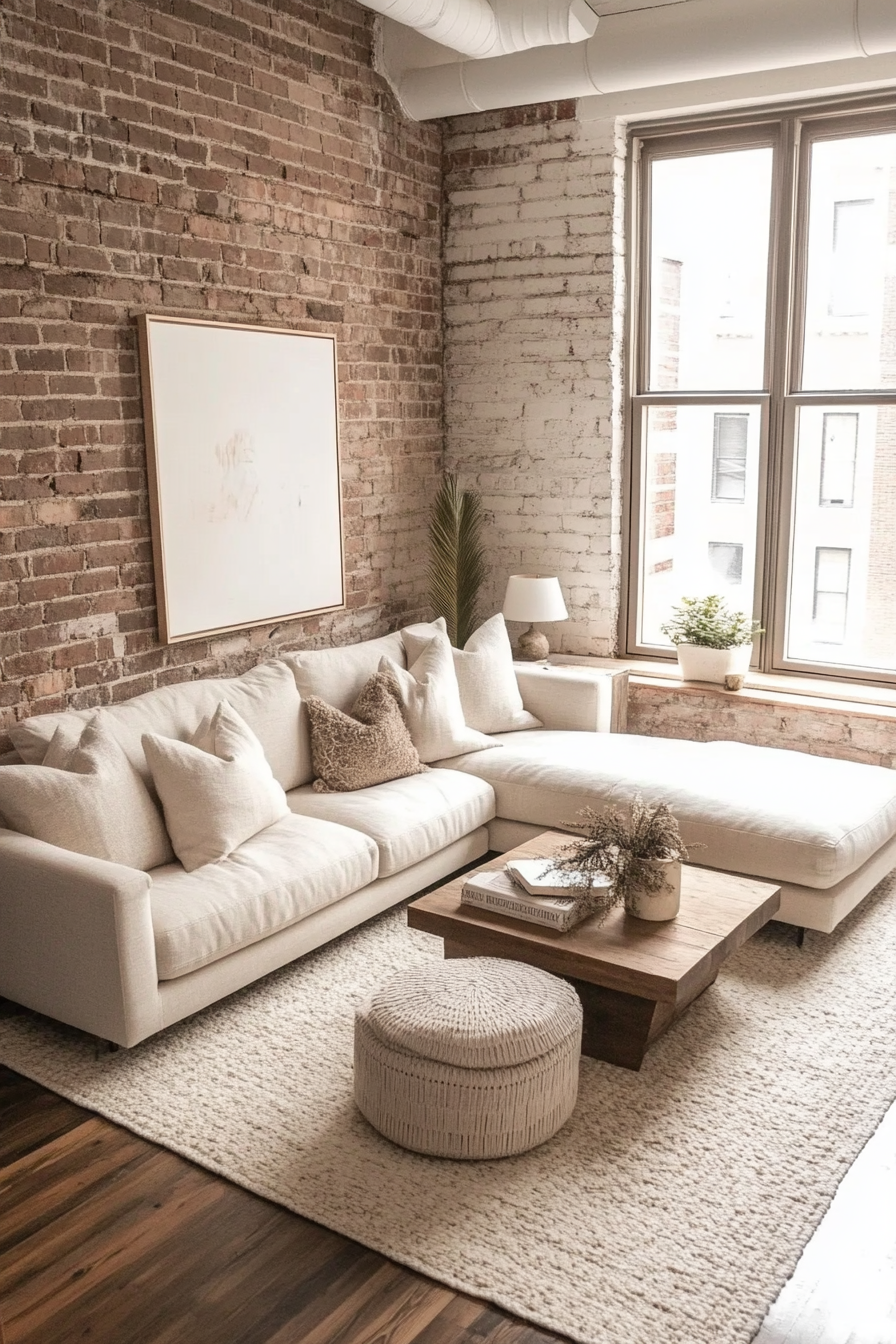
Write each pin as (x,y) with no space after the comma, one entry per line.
(87,798)
(486,680)
(217,790)
(430,701)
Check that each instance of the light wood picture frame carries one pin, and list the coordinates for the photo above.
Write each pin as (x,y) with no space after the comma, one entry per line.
(245,494)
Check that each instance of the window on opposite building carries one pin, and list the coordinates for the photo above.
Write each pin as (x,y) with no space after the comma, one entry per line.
(726,560)
(831,595)
(839,440)
(851,274)
(729,457)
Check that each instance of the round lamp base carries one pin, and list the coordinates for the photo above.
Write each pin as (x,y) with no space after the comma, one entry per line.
(533,646)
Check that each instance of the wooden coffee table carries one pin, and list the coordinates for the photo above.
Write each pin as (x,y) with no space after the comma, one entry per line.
(633,976)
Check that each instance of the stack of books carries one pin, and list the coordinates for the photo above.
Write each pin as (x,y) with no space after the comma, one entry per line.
(532,890)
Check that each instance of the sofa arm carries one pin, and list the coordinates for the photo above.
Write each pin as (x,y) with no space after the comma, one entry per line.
(574,697)
(76,940)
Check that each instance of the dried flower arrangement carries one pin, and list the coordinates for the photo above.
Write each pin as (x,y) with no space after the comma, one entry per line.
(624,849)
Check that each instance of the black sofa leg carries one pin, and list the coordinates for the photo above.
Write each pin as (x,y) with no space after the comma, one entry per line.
(800,937)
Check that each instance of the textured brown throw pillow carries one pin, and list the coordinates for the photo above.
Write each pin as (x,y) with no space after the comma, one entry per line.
(369,746)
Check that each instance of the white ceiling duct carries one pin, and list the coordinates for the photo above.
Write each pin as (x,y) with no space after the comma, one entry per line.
(479,28)
(698,39)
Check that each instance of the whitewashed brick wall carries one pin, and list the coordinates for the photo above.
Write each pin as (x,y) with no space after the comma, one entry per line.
(534,307)
(534,342)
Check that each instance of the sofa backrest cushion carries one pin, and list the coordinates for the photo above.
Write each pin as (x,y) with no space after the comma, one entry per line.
(265,697)
(339,675)
(486,679)
(88,798)
(217,791)
(430,699)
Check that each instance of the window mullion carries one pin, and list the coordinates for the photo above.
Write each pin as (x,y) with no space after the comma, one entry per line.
(784,347)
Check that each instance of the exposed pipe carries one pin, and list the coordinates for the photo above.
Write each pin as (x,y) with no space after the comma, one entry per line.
(699,39)
(480,29)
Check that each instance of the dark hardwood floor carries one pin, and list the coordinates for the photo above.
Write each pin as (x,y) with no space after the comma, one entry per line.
(108,1239)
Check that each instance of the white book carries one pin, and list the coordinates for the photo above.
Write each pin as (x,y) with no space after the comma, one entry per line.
(498,892)
(539,877)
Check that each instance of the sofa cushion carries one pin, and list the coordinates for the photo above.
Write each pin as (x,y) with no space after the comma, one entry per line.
(430,700)
(284,873)
(486,679)
(88,798)
(217,791)
(265,697)
(758,810)
(339,675)
(408,818)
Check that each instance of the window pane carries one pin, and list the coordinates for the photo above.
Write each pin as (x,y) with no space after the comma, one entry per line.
(709,238)
(842,600)
(850,315)
(693,540)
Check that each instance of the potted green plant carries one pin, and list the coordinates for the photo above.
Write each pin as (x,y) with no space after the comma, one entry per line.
(713,642)
(640,854)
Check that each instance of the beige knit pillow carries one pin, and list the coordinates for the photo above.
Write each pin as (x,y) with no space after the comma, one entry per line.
(217,791)
(369,746)
(86,798)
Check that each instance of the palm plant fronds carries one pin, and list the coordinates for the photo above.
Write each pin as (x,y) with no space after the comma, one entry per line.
(456,558)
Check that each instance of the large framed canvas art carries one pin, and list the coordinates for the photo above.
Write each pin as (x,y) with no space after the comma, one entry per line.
(245,496)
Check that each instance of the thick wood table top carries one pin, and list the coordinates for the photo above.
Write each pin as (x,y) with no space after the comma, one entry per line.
(667,962)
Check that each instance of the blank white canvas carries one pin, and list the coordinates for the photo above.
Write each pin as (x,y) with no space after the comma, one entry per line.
(248,474)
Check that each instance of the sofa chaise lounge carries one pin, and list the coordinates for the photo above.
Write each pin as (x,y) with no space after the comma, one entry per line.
(122,953)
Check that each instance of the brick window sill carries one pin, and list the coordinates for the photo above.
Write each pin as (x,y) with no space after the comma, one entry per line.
(872,699)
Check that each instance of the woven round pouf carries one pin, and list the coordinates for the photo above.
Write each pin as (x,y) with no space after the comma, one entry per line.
(471,1058)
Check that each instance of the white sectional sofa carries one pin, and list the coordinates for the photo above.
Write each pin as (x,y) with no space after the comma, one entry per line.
(123,953)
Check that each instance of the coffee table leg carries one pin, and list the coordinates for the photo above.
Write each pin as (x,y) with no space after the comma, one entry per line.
(616,1027)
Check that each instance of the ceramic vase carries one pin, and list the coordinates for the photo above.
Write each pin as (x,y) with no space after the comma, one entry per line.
(663,904)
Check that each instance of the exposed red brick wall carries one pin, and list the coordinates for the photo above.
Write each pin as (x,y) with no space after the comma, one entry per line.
(233,159)
(662,500)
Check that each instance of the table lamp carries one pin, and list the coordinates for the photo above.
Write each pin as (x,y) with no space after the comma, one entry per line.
(533,597)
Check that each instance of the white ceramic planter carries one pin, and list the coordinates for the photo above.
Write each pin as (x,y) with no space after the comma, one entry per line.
(662,904)
(701,664)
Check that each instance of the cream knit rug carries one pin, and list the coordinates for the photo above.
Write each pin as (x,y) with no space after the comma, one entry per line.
(670,1209)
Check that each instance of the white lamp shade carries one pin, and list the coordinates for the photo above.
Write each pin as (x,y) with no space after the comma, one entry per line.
(532,597)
